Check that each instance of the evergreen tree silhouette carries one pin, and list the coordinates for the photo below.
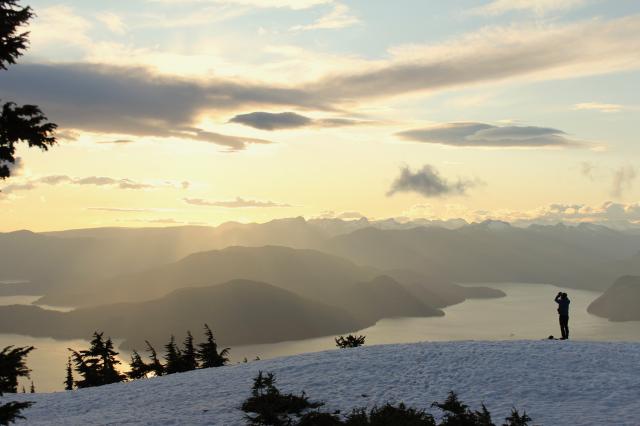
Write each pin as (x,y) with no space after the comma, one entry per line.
(68,382)
(97,365)
(156,366)
(188,359)
(32,389)
(18,123)
(173,357)
(13,365)
(208,354)
(139,368)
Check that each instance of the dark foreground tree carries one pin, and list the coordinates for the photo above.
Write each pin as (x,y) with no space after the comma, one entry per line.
(98,365)
(208,354)
(10,412)
(18,123)
(12,366)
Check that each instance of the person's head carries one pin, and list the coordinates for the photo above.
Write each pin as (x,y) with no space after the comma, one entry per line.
(564,295)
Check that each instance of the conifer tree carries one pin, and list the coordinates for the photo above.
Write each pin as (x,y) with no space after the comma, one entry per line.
(208,354)
(139,368)
(18,123)
(32,389)
(98,365)
(13,365)
(110,362)
(173,357)
(68,382)
(188,359)
(156,366)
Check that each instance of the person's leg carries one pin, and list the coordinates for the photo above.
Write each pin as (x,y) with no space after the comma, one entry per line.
(564,326)
(561,326)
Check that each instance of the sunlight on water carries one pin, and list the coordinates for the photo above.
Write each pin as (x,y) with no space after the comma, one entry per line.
(528,312)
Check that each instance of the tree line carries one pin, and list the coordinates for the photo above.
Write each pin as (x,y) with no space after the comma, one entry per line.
(98,365)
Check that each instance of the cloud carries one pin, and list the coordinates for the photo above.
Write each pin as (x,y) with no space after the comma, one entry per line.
(339,17)
(120,210)
(587,169)
(272,121)
(100,181)
(289,120)
(539,7)
(495,54)
(429,183)
(234,204)
(117,142)
(113,22)
(487,135)
(597,106)
(137,101)
(623,180)
(291,4)
(608,213)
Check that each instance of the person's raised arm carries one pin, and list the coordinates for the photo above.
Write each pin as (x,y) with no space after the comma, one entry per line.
(558,296)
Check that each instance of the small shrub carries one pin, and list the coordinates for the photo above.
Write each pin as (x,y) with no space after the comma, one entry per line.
(458,414)
(315,418)
(515,419)
(350,341)
(272,407)
(390,415)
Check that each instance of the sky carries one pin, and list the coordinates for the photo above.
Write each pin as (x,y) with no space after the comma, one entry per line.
(205,111)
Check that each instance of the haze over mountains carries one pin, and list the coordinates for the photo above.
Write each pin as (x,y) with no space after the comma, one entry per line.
(327,276)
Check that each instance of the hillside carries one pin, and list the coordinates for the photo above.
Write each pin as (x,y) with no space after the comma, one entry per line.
(312,274)
(239,311)
(554,382)
(620,302)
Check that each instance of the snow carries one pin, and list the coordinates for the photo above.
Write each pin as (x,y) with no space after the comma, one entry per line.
(557,382)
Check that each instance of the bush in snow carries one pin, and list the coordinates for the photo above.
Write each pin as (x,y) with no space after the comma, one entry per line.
(270,407)
(350,341)
(273,408)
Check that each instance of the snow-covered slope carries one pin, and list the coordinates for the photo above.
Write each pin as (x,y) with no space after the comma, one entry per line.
(558,383)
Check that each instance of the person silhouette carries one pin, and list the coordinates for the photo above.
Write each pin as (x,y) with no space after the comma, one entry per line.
(562,299)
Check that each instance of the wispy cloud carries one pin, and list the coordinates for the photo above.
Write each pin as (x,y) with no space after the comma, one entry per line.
(120,210)
(290,120)
(137,101)
(597,106)
(623,179)
(539,7)
(429,183)
(238,203)
(487,135)
(101,181)
(339,17)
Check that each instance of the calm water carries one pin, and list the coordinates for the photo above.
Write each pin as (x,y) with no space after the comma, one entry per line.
(528,312)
